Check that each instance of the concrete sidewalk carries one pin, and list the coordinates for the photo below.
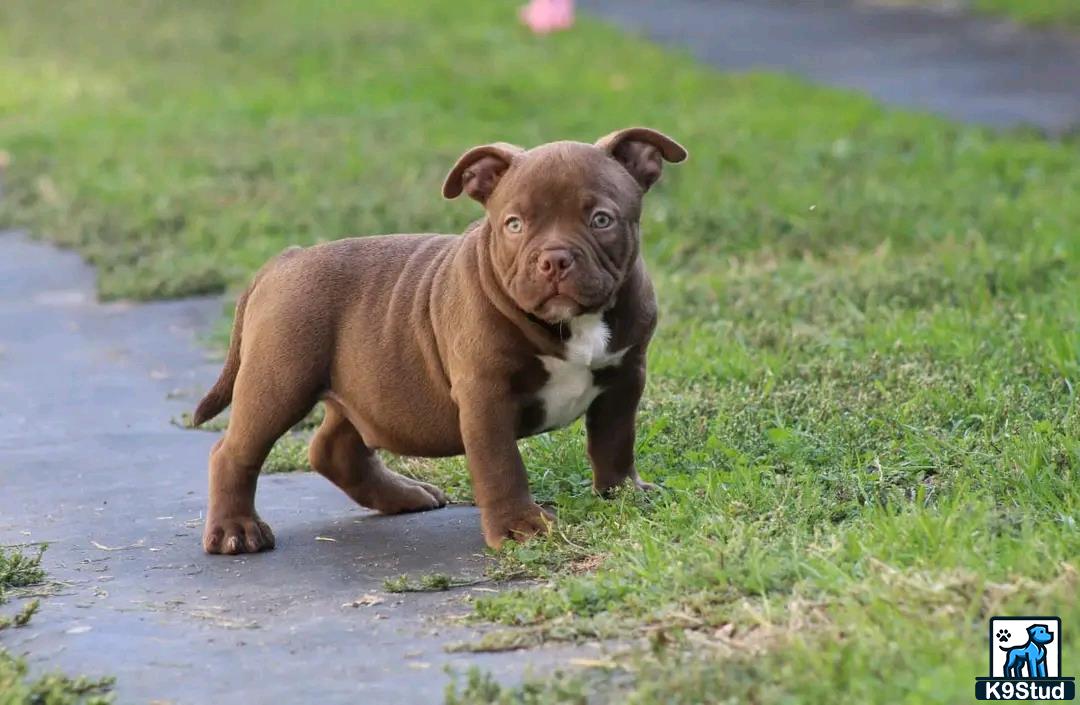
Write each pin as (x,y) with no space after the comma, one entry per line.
(90,463)
(972,68)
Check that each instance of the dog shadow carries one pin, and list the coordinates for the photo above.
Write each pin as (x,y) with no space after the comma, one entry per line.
(370,547)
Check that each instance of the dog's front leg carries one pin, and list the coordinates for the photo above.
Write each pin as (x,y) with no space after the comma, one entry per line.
(500,483)
(610,425)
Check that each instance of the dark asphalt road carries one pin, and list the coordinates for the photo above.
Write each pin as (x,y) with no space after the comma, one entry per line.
(972,68)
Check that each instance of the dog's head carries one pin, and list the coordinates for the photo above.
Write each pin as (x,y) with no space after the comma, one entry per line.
(1040,634)
(564,216)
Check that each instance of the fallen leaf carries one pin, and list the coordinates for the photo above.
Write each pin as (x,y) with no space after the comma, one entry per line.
(593,662)
(366,601)
(103,547)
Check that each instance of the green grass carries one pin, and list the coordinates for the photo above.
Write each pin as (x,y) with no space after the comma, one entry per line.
(1046,13)
(16,688)
(21,570)
(1061,13)
(430,582)
(862,399)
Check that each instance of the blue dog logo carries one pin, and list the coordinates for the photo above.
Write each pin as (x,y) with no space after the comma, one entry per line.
(1027,671)
(1031,655)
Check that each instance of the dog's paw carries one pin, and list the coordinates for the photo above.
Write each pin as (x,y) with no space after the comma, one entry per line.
(609,490)
(441,500)
(645,486)
(237,535)
(406,495)
(519,524)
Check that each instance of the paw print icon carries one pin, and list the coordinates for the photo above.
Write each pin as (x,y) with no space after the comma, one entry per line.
(1003,635)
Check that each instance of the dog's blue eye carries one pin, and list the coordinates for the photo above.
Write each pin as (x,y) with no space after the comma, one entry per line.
(514,224)
(601,220)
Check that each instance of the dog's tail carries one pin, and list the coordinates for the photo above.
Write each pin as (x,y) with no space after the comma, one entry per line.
(220,395)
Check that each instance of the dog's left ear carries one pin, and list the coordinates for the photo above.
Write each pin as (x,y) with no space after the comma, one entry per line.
(478,171)
(642,152)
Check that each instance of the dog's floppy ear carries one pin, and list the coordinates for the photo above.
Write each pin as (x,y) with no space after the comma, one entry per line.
(642,152)
(479,170)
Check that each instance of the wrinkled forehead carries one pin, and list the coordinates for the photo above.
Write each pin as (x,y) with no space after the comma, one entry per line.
(565,175)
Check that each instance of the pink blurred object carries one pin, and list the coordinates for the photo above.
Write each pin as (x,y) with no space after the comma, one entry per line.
(544,16)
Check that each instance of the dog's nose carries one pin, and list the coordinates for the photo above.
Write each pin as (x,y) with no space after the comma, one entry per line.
(555,263)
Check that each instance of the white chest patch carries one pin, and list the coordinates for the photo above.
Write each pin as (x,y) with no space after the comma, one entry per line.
(570,387)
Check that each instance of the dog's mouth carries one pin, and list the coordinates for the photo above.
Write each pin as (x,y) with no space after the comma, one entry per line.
(558,302)
(558,307)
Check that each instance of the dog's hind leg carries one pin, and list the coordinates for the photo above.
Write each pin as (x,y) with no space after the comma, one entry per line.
(338,452)
(1010,665)
(266,404)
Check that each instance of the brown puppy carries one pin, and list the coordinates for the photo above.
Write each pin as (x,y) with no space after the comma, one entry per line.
(435,345)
